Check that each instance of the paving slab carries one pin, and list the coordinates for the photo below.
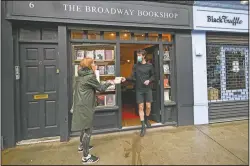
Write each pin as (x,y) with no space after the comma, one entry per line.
(169,146)
(233,136)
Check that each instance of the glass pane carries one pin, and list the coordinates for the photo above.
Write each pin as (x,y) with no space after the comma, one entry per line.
(153,36)
(235,69)
(49,34)
(94,35)
(139,36)
(109,35)
(78,35)
(167,37)
(31,34)
(167,74)
(125,36)
(104,58)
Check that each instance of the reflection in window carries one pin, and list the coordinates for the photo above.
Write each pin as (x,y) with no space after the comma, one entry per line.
(32,34)
(78,35)
(167,37)
(49,34)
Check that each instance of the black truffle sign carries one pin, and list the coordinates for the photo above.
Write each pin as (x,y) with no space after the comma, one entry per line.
(225,19)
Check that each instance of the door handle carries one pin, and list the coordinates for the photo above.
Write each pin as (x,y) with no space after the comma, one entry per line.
(57,71)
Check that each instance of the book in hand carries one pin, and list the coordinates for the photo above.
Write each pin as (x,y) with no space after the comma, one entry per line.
(100,54)
(110,69)
(110,100)
(90,54)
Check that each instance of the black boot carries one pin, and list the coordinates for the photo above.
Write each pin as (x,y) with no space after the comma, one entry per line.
(147,122)
(143,129)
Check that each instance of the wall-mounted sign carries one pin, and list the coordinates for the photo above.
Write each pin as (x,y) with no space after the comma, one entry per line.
(218,19)
(225,19)
(144,13)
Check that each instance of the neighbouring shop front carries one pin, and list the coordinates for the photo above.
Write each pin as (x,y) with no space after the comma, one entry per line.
(221,46)
(45,41)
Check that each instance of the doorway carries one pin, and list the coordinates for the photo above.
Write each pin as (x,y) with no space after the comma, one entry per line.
(130,113)
(39,90)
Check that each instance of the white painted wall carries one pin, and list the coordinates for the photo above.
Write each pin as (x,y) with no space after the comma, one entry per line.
(200,78)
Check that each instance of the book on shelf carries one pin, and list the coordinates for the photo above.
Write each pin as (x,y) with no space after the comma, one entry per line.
(110,69)
(166,84)
(166,55)
(109,54)
(90,54)
(100,54)
(100,100)
(101,69)
(80,54)
(166,68)
(166,95)
(110,100)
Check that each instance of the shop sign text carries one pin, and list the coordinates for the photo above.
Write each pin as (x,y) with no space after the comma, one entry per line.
(119,11)
(225,19)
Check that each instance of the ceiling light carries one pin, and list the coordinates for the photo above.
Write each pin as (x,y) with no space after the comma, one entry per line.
(112,34)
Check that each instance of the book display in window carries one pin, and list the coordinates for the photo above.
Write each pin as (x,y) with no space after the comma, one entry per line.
(104,58)
(167,74)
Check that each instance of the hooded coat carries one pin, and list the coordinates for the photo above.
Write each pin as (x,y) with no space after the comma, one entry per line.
(85,99)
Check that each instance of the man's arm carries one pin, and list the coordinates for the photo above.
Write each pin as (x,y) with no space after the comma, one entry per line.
(132,77)
(152,74)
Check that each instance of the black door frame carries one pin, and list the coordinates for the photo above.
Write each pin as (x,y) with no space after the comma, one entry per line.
(160,43)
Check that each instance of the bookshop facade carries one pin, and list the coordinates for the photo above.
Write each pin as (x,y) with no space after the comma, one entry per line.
(45,49)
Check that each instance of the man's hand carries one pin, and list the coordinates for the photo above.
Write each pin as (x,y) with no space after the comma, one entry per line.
(111,82)
(146,82)
(123,79)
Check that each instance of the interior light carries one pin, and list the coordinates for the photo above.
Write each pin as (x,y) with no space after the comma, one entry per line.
(112,34)
(128,60)
(142,35)
(125,35)
(244,2)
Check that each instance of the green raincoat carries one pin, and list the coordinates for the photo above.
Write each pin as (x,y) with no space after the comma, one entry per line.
(85,99)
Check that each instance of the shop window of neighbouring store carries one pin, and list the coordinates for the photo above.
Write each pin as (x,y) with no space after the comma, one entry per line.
(104,57)
(227,72)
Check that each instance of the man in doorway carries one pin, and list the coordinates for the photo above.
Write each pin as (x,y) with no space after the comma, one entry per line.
(142,75)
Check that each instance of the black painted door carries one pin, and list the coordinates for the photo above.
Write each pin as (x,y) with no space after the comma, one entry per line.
(39,93)
(153,53)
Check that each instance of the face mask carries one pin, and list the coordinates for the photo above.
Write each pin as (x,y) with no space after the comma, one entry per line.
(139,59)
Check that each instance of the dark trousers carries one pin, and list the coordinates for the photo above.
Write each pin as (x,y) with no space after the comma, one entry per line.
(85,140)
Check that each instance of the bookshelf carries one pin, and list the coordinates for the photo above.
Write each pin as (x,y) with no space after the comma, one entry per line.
(104,58)
(167,74)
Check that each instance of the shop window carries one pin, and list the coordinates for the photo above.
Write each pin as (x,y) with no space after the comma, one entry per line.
(227,73)
(109,35)
(49,34)
(139,36)
(29,34)
(78,35)
(125,36)
(104,57)
(153,36)
(167,37)
(94,35)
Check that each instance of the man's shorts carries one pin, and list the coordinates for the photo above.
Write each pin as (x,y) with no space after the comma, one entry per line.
(144,96)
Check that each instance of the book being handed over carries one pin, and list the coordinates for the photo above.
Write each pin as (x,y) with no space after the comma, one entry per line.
(117,80)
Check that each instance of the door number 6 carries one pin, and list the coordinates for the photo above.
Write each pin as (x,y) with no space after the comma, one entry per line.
(31,5)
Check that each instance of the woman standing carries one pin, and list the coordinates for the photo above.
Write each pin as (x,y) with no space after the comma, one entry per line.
(84,105)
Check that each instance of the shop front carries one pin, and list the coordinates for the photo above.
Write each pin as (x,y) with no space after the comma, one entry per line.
(220,64)
(45,41)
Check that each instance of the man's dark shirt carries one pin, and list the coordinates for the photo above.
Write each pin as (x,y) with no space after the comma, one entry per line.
(141,73)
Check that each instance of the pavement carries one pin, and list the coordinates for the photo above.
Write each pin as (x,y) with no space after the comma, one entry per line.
(217,144)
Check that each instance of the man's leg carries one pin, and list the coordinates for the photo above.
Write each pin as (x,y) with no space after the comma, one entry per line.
(80,147)
(149,99)
(140,101)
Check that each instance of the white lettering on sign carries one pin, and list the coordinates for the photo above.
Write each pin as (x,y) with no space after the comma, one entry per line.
(31,5)
(224,19)
(119,11)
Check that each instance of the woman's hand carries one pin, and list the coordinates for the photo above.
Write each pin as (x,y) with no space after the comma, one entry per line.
(110,82)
